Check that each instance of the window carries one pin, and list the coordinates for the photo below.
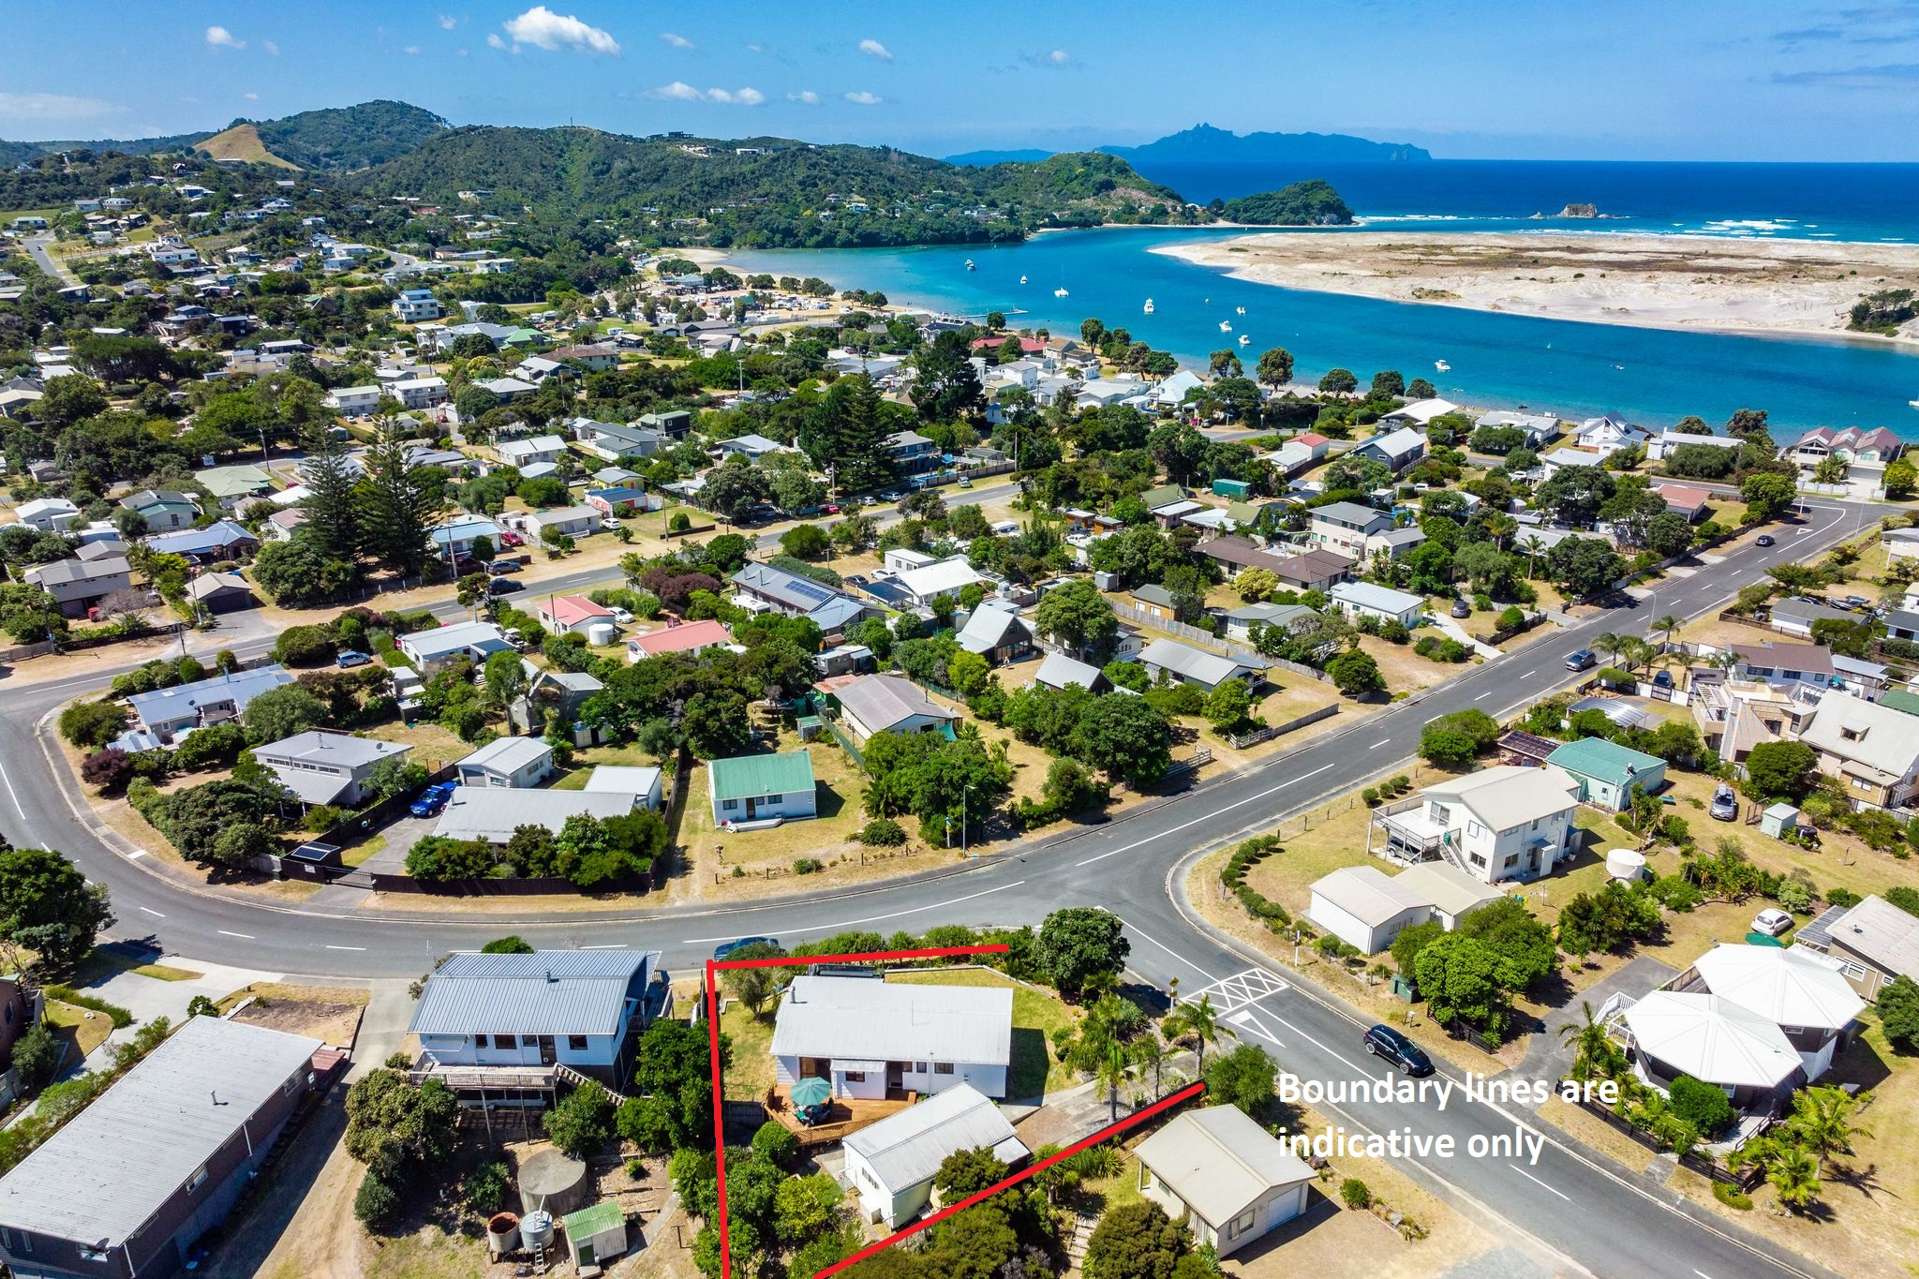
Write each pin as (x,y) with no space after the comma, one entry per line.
(855,1076)
(199,1176)
(504,1041)
(576,1043)
(919,1067)
(942,1067)
(772,799)
(730,805)
(1475,830)
(1239,1225)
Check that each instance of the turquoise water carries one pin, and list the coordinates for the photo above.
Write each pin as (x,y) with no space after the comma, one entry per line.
(1649,375)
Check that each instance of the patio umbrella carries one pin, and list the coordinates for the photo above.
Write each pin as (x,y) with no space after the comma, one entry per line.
(811,1091)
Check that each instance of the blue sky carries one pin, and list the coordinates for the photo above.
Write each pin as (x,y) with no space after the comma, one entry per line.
(1624,79)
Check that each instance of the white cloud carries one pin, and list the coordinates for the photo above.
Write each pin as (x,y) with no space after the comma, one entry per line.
(756,47)
(806,96)
(411,51)
(1059,57)
(493,41)
(860,97)
(448,22)
(873,48)
(673,39)
(221,38)
(251,97)
(544,29)
(53,106)
(271,47)
(681,91)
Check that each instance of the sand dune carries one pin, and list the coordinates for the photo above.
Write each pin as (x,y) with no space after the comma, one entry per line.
(1655,281)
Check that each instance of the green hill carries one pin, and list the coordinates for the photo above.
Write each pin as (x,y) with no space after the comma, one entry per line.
(773,191)
(1312,203)
(331,139)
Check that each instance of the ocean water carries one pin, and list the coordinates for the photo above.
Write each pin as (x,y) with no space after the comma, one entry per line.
(1652,376)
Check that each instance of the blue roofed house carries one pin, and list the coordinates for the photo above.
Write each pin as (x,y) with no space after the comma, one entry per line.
(458,534)
(520,1023)
(762,587)
(162,715)
(221,540)
(1608,773)
(1397,449)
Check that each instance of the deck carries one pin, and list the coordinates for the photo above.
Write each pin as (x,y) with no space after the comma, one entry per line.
(847,1115)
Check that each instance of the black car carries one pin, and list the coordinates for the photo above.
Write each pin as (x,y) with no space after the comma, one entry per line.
(725,949)
(1764,539)
(503,586)
(1384,1041)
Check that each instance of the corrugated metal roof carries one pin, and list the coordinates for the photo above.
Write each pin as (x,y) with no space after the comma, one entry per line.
(100,1177)
(493,813)
(907,1148)
(894,1021)
(241,687)
(549,992)
(788,773)
(1218,1161)
(1604,759)
(507,754)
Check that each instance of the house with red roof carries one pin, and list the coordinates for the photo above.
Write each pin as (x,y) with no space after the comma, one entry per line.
(1685,499)
(571,614)
(688,638)
(1027,346)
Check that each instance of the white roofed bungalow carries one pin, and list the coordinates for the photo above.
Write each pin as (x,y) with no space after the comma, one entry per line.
(869,1037)
(891,1164)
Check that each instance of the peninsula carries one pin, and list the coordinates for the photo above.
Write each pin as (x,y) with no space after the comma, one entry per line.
(1780,287)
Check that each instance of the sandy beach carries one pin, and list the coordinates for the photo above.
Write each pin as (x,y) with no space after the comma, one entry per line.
(1778,287)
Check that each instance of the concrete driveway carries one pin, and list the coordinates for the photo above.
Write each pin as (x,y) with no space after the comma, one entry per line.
(1550,1056)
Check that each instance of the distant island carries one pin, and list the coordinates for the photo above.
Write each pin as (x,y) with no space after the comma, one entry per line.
(1312,203)
(1204,144)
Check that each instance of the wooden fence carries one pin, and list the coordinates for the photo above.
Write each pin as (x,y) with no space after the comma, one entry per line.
(1267,734)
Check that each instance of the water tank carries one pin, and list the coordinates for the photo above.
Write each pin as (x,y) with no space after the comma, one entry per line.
(601,633)
(502,1234)
(553,1182)
(1624,863)
(536,1230)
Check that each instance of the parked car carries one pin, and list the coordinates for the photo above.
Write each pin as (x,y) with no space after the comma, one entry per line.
(725,949)
(1662,679)
(495,568)
(1461,608)
(1764,539)
(831,508)
(966,481)
(503,586)
(430,801)
(1725,805)
(1384,1041)
(351,657)
(1581,660)
(621,616)
(1771,921)
(510,538)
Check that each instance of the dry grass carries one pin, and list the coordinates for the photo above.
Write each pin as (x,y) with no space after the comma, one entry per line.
(82,1028)
(432,745)
(330,1014)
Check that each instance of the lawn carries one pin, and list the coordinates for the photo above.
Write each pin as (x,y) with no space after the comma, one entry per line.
(432,745)
(839,785)
(83,1028)
(751,1038)
(1037,1014)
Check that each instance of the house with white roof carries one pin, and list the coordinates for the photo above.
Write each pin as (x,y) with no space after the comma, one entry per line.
(1171,660)
(1060,671)
(1661,446)
(1872,748)
(326,767)
(494,813)
(48,514)
(1538,427)
(1710,1038)
(1609,433)
(1799,991)
(1366,908)
(1344,527)
(1504,822)
(946,577)
(355,401)
(891,1164)
(1381,603)
(512,763)
(538,448)
(868,1037)
(1420,413)
(889,704)
(430,650)
(1229,1179)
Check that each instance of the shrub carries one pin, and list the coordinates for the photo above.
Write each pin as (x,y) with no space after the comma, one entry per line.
(775,1141)
(304,646)
(807,865)
(1355,1193)
(107,769)
(1731,1196)
(201,1006)
(93,724)
(1842,897)
(377,1204)
(484,1189)
(1702,1105)
(582,1122)
(679,522)
(1371,796)
(882,832)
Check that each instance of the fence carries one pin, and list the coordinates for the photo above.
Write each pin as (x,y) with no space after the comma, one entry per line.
(95,639)
(1698,1163)
(845,739)
(1267,734)
(1204,639)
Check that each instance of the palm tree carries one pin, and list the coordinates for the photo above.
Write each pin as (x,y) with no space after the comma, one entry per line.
(1667,624)
(1112,1073)
(1195,1021)
(1608,643)
(1499,527)
(1534,546)
(1822,1119)
(1147,1050)
(1594,1052)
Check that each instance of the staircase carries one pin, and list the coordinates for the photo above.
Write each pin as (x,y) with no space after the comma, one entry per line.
(1452,854)
(563,1071)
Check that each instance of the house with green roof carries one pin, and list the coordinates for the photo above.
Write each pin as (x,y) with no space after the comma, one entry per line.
(759,788)
(1900,700)
(1607,772)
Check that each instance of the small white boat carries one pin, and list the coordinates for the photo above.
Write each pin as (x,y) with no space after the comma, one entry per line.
(1022,279)
(1225,326)
(1912,404)
(970,266)
(1244,340)
(1240,310)
(1442,366)
(1149,306)
(1060,292)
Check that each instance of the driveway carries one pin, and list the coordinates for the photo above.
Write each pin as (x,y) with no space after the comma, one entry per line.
(1550,1056)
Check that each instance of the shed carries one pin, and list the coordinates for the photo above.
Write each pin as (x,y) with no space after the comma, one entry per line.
(1232,488)
(1231,1179)
(594,1234)
(1781,821)
(1608,773)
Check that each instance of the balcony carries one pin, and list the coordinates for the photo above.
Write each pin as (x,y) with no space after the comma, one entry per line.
(1406,834)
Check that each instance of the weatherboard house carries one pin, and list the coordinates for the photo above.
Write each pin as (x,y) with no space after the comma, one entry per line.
(891,1164)
(869,1038)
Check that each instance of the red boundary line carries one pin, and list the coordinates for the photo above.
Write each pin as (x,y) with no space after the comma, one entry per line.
(716,966)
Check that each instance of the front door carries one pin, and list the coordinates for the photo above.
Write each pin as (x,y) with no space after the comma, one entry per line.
(894,1081)
(752,807)
(546,1050)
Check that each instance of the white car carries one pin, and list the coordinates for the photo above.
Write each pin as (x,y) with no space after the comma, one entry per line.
(1771,921)
(621,616)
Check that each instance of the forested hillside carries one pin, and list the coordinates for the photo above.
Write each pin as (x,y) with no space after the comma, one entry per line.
(1312,203)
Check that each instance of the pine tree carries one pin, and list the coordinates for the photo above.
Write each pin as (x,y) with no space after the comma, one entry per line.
(851,435)
(398,506)
(333,512)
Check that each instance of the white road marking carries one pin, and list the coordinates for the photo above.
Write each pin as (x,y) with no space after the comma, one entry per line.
(845,924)
(331,947)
(1536,1181)
(1483,696)
(8,778)
(1322,1047)
(1381,742)
(1169,950)
(1246,1021)
(136,854)
(606,945)
(151,911)
(1271,790)
(1241,990)
(242,936)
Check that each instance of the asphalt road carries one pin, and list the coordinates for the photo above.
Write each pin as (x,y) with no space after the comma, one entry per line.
(48,264)
(1587,1216)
